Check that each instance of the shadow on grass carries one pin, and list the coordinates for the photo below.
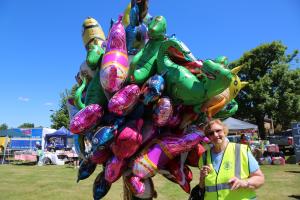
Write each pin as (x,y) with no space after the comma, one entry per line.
(294,196)
(295,172)
(23,163)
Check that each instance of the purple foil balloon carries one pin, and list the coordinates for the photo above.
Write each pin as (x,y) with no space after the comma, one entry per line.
(124,100)
(128,140)
(114,66)
(162,151)
(113,169)
(86,118)
(175,146)
(162,112)
(196,129)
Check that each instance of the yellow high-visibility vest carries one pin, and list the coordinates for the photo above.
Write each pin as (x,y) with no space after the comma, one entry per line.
(234,163)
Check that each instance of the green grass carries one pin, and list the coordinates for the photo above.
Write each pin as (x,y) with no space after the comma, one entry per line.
(59,182)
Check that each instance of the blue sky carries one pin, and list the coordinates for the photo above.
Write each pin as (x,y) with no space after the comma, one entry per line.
(41,46)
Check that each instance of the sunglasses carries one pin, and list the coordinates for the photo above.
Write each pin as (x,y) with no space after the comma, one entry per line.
(212,132)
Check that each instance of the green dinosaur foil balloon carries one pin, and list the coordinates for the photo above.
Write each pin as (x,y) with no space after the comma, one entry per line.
(94,54)
(78,95)
(228,110)
(94,92)
(222,60)
(143,64)
(182,85)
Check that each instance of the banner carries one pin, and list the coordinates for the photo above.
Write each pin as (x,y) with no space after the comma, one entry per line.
(296,136)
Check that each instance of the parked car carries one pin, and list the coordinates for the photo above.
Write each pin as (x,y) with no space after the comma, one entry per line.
(234,138)
(284,140)
(55,158)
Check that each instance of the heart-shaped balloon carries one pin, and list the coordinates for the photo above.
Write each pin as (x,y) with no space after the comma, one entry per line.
(124,100)
(86,118)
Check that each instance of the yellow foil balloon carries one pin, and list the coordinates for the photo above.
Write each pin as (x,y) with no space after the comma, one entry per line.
(216,103)
(92,31)
(126,19)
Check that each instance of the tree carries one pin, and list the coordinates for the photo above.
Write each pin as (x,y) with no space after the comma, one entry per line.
(273,88)
(3,127)
(286,90)
(61,117)
(26,125)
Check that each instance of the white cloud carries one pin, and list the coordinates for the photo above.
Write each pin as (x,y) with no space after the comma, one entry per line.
(48,104)
(23,99)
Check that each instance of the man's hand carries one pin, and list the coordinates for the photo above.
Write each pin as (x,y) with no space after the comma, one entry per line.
(238,183)
(204,171)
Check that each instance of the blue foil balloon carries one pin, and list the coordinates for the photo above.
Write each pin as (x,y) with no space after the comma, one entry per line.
(102,137)
(152,89)
(100,187)
(86,168)
(136,32)
(79,152)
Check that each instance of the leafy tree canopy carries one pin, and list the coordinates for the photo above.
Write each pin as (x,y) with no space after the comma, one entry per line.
(60,117)
(274,88)
(26,125)
(3,127)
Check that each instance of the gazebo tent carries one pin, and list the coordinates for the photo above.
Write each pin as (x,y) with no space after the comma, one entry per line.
(235,125)
(58,139)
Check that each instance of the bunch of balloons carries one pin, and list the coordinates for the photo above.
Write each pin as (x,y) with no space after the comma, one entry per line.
(140,99)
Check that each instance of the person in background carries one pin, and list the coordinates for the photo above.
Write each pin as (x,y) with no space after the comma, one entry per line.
(75,158)
(88,145)
(243,139)
(39,152)
(227,170)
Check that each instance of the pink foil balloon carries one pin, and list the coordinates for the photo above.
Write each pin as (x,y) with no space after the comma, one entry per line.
(163,111)
(135,184)
(124,100)
(162,151)
(149,192)
(143,189)
(86,118)
(128,140)
(113,169)
(114,66)
(100,156)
